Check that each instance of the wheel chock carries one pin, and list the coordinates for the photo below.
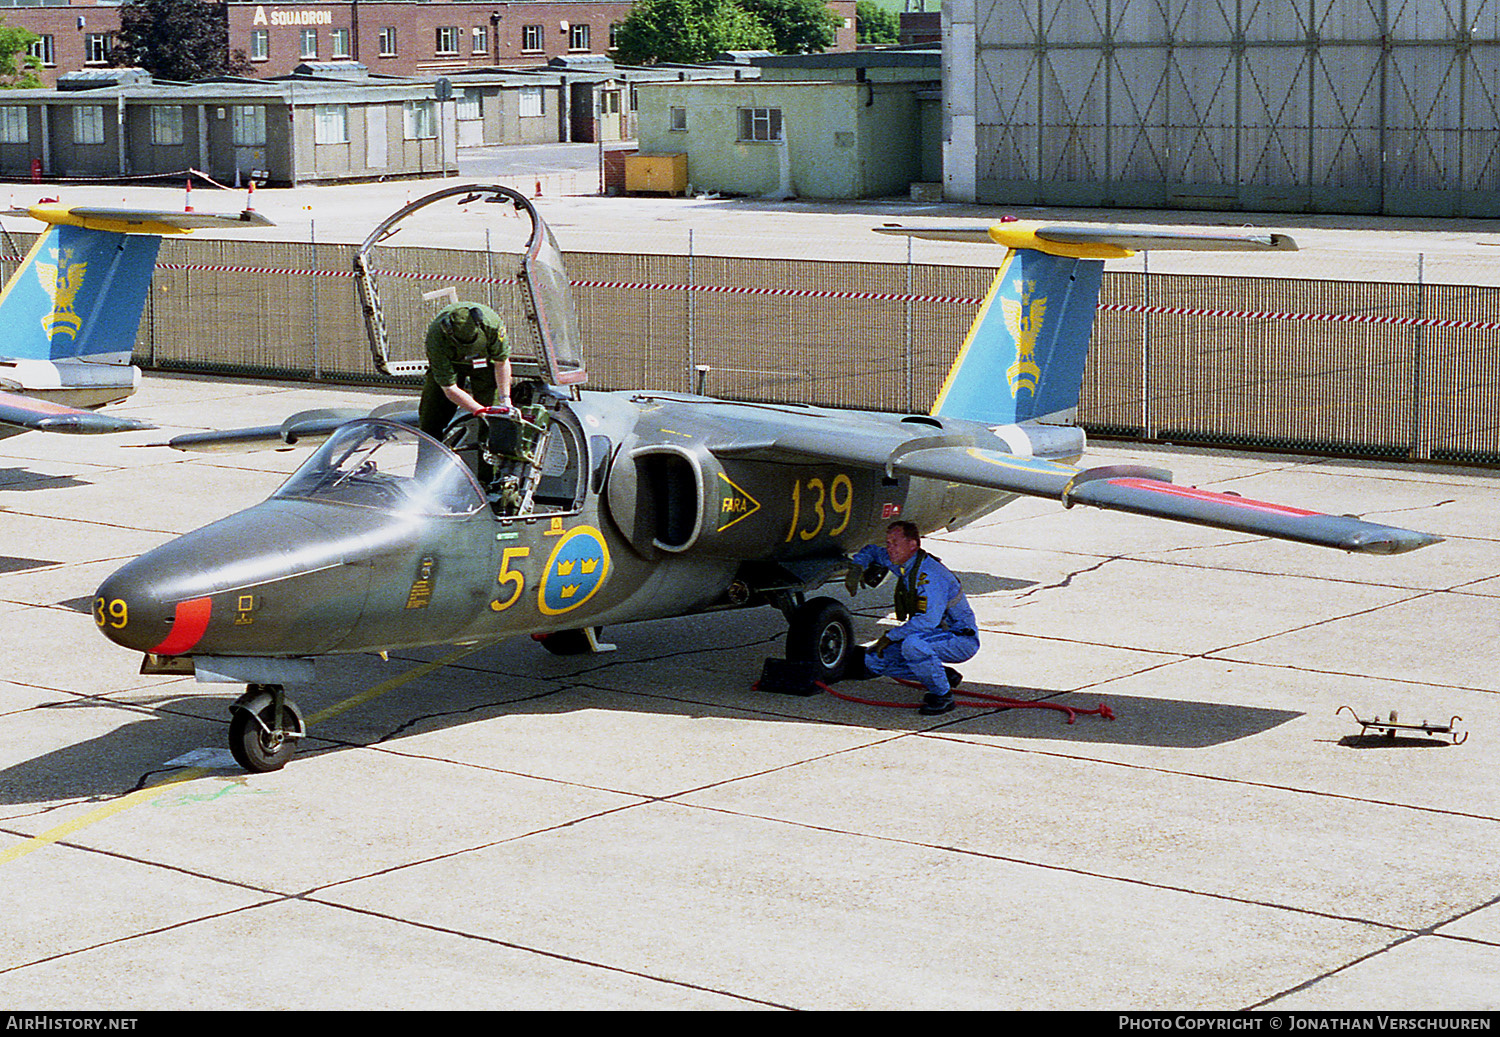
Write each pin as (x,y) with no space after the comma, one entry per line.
(789,677)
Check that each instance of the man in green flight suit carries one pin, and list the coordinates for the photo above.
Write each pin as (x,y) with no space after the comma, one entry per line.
(468,366)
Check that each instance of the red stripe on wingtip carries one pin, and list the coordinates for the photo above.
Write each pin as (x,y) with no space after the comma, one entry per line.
(1210,497)
(188,625)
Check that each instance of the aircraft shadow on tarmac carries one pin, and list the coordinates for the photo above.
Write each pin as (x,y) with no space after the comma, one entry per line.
(984,583)
(695,666)
(22,479)
(17,564)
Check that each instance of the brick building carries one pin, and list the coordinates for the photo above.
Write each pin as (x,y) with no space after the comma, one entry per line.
(404,38)
(389,37)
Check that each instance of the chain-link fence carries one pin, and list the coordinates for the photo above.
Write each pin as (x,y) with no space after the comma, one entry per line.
(1358,368)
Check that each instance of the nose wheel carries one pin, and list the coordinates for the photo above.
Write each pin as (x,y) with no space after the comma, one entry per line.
(264,728)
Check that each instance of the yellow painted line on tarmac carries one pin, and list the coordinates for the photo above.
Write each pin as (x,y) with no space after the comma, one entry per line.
(394,683)
(134,799)
(150,792)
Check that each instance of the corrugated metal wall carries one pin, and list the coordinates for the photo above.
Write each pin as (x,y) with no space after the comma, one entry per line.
(1315,105)
(1340,369)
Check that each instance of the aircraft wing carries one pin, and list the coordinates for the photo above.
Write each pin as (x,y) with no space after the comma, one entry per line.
(138,221)
(1136,489)
(28,414)
(1145,491)
(309,426)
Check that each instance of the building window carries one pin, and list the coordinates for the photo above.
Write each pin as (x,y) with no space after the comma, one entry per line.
(532,103)
(309,43)
(479,40)
(260,44)
(421,122)
(12,124)
(331,124)
(470,104)
(42,50)
(249,125)
(96,48)
(760,124)
(447,39)
(677,119)
(578,37)
(388,42)
(614,35)
(340,43)
(166,124)
(88,124)
(609,102)
(531,38)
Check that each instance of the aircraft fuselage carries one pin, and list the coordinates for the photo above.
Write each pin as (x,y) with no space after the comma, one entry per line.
(650,505)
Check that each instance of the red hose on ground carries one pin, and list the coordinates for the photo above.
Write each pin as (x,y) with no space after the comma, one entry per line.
(985,701)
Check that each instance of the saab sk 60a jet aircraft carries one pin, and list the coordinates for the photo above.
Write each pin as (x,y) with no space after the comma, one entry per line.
(69,314)
(588,508)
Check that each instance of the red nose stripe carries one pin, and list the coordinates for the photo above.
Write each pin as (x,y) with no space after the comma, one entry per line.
(187,626)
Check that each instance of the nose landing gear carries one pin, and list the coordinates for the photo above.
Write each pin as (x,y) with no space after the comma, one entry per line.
(264,728)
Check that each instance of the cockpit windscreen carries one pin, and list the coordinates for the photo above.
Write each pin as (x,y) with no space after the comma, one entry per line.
(380,464)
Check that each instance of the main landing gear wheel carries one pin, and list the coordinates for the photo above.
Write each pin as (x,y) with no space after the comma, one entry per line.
(264,728)
(822,633)
(566,642)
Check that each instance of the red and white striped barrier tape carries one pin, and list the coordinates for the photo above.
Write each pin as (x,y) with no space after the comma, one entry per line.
(1350,318)
(815,293)
(801,293)
(807,293)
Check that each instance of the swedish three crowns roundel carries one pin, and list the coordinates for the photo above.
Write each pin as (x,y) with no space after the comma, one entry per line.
(577,568)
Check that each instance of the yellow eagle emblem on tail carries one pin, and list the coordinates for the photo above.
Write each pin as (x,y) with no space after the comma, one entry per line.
(61,281)
(1023,318)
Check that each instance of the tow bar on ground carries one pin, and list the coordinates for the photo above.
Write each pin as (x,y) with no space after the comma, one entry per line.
(1391,726)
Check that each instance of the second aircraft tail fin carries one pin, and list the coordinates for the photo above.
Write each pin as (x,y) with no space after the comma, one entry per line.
(79,292)
(78,295)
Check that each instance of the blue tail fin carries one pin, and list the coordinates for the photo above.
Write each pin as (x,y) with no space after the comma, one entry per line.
(1024,355)
(1023,359)
(78,296)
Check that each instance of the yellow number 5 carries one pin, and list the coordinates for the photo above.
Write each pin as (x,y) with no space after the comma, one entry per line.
(509,575)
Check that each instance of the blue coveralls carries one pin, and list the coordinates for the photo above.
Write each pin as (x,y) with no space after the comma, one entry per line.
(941,630)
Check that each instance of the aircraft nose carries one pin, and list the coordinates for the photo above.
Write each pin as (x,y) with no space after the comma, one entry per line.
(131,610)
(274,580)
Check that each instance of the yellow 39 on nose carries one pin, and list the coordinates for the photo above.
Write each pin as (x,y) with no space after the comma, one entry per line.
(112,612)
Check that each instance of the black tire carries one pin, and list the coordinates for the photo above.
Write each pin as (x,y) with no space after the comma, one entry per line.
(254,749)
(566,642)
(822,633)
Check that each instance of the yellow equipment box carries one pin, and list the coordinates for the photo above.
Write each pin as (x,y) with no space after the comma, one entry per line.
(656,173)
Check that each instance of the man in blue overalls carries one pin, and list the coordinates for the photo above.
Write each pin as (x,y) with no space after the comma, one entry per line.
(937,625)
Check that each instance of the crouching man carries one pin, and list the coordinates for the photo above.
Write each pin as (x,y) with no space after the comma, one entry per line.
(937,625)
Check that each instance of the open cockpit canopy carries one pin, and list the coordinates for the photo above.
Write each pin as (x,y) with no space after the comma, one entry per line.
(496,250)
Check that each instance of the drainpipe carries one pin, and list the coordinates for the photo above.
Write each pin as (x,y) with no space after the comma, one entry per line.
(203,139)
(120,134)
(46,113)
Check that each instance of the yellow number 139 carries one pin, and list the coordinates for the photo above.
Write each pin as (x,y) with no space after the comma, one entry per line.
(839,496)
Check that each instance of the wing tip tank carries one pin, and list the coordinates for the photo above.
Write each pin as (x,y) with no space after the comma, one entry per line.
(1390,540)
